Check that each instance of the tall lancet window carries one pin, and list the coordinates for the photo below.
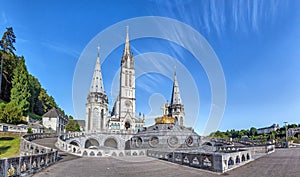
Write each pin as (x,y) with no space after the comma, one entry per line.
(95,118)
(89,119)
(126,78)
(102,119)
(130,76)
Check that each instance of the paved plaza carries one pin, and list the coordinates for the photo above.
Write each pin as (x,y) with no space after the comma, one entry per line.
(281,163)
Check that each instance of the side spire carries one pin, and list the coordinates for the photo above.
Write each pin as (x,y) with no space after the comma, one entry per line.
(176,98)
(97,82)
(127,44)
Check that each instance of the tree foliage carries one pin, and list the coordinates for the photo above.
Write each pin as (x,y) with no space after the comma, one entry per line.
(8,40)
(20,93)
(278,135)
(72,126)
(29,130)
(10,113)
(8,62)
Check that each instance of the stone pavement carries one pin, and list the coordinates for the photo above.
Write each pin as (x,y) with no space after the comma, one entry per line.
(282,163)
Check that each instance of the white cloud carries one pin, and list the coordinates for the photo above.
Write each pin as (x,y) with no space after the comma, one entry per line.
(4,18)
(216,15)
(60,48)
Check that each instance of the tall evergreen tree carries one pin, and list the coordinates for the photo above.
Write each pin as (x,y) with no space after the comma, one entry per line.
(7,49)
(20,93)
(35,89)
(46,101)
(8,40)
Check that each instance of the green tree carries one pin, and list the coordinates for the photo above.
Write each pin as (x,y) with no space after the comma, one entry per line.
(253,131)
(8,40)
(77,127)
(29,130)
(12,114)
(20,93)
(8,62)
(273,135)
(2,115)
(46,102)
(35,88)
(241,133)
(72,126)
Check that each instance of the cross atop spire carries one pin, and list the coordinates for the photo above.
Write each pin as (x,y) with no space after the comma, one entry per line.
(98,51)
(176,98)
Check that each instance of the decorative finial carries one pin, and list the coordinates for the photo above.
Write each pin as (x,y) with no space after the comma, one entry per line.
(98,51)
(127,29)
(175,70)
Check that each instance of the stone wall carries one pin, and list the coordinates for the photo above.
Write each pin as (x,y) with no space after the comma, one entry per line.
(33,157)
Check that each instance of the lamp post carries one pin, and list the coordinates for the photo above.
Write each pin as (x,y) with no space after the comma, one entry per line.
(286,139)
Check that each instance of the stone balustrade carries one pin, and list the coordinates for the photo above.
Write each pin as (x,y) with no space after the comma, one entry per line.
(218,162)
(256,150)
(33,157)
(80,151)
(110,131)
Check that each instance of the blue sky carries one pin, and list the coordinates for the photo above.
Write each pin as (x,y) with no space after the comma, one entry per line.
(257,44)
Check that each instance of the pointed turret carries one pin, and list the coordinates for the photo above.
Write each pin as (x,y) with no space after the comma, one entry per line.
(97,82)
(176,108)
(176,99)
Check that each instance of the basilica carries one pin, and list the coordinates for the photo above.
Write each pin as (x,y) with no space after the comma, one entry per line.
(123,115)
(119,132)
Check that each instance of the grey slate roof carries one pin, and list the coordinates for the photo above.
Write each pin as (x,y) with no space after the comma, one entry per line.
(53,113)
(80,122)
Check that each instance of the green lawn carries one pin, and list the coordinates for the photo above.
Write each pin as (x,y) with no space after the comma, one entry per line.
(9,145)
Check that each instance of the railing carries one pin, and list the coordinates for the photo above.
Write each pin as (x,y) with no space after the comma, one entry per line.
(263,149)
(80,151)
(33,157)
(109,131)
(218,162)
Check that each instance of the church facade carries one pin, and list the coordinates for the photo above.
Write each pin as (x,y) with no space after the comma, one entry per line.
(123,115)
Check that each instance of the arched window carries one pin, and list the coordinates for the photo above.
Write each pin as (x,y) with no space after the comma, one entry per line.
(230,162)
(126,78)
(130,76)
(89,119)
(95,118)
(237,160)
(176,120)
(243,158)
(102,119)
(181,120)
